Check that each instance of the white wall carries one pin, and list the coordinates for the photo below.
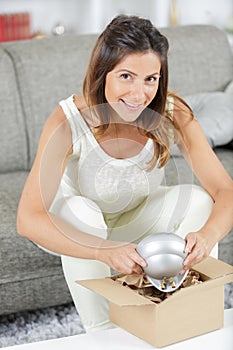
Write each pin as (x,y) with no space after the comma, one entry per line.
(45,13)
(205,11)
(95,14)
(88,16)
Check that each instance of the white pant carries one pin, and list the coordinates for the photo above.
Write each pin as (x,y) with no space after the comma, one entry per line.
(180,209)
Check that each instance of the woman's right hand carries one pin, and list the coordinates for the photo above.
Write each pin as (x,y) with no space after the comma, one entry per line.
(121,257)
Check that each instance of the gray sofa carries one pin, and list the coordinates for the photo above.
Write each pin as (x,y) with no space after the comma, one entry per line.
(34,76)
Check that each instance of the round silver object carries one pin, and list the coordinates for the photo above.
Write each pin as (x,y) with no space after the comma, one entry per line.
(164,255)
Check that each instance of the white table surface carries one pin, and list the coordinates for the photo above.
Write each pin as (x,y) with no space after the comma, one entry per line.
(118,339)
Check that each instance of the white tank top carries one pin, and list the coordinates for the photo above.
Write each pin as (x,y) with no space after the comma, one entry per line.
(115,185)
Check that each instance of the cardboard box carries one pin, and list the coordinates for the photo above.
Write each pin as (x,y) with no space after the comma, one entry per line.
(187,313)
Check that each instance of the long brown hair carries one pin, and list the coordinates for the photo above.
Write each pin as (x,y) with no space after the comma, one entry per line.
(125,35)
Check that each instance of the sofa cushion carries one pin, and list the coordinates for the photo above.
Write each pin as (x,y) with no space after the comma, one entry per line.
(200,59)
(214,112)
(229,88)
(13,138)
(16,251)
(27,272)
(30,278)
(48,70)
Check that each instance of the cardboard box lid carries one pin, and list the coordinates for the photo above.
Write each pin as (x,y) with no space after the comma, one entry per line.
(115,292)
(215,269)
(218,272)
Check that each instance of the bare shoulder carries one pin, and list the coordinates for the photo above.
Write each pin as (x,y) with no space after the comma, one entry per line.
(80,102)
(54,148)
(182,113)
(57,118)
(57,126)
(86,111)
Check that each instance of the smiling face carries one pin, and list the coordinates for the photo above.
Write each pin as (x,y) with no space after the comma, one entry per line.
(132,84)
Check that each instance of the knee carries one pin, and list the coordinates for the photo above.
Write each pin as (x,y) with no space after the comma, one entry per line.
(80,206)
(201,198)
(188,197)
(79,210)
(198,208)
(199,204)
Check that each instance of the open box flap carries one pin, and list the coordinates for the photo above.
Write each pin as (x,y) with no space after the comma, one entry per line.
(115,292)
(218,272)
(215,269)
(191,290)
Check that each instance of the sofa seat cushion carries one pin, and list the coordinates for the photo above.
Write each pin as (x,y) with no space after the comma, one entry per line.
(20,259)
(30,278)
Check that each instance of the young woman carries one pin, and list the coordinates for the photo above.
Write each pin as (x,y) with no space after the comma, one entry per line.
(95,189)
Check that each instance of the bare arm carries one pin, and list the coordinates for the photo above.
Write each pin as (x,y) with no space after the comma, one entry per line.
(215,180)
(34,220)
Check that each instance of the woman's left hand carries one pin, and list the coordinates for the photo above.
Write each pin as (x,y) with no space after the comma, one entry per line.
(198,246)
